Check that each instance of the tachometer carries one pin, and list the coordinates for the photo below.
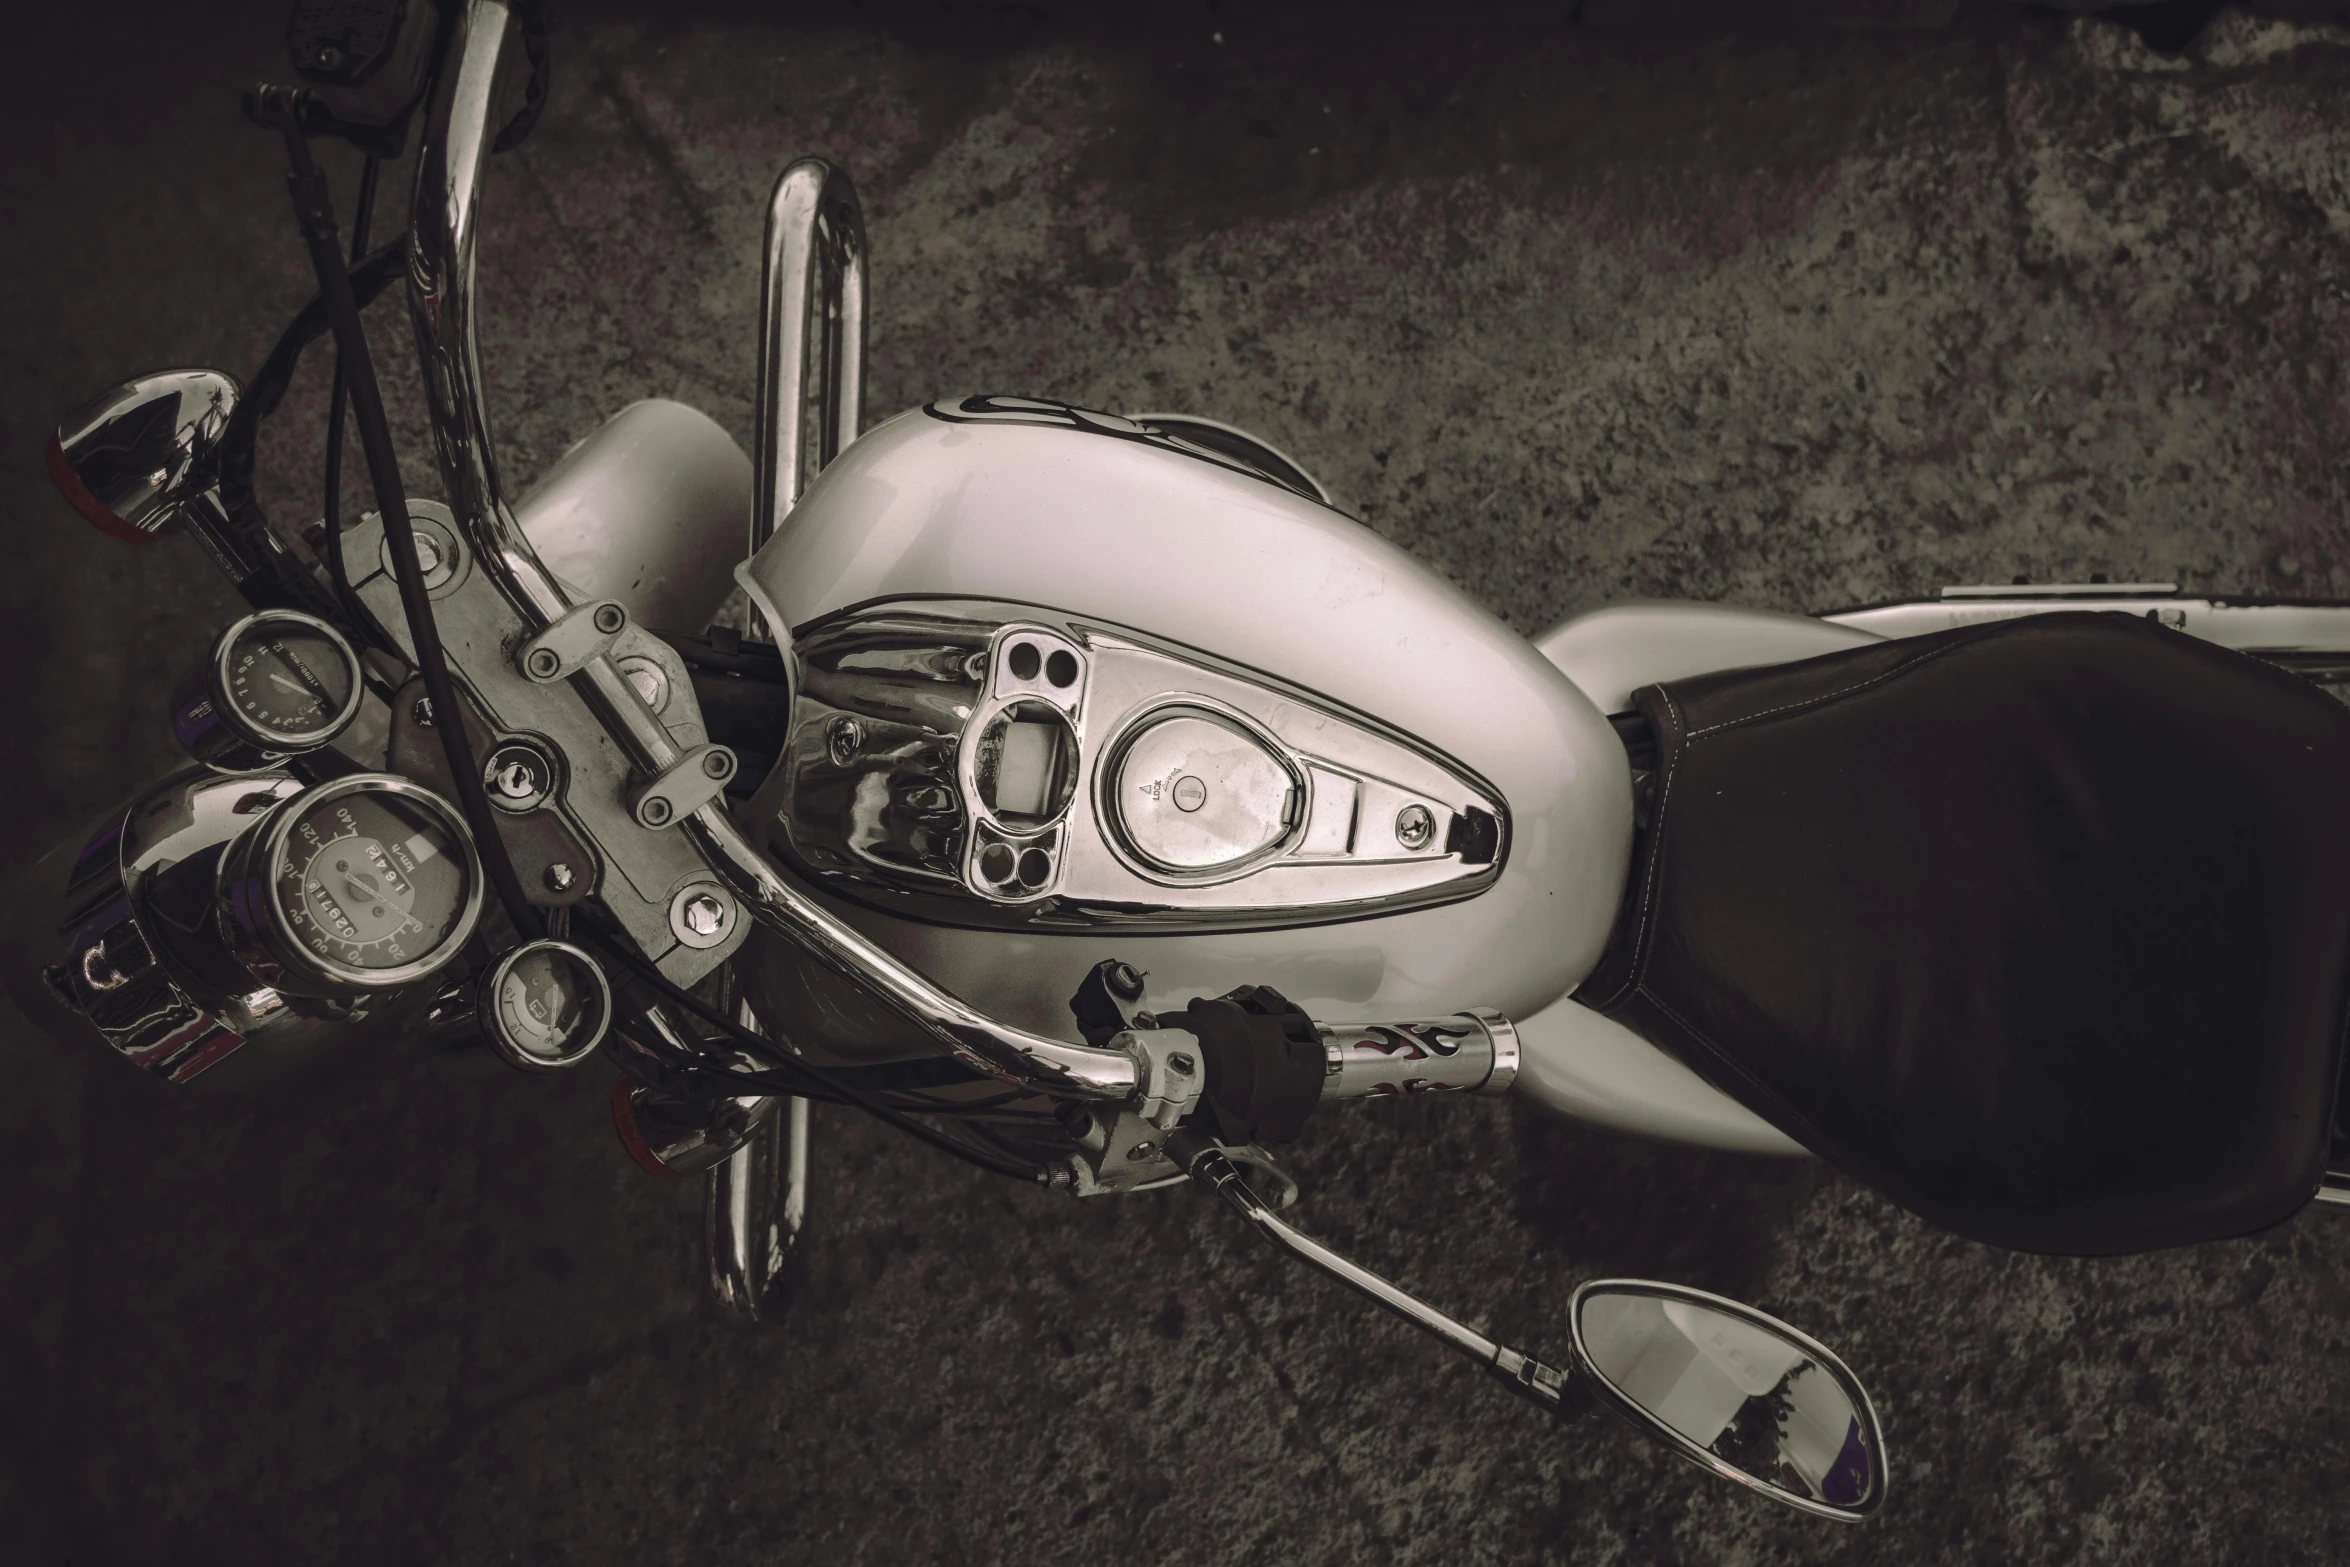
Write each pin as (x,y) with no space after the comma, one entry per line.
(277,684)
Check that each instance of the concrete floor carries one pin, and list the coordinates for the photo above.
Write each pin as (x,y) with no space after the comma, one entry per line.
(1794,319)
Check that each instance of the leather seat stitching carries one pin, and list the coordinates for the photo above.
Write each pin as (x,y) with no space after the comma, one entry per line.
(1827,696)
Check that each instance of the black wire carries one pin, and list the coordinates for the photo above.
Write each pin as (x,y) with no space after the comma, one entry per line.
(794,1068)
(314,210)
(271,586)
(362,211)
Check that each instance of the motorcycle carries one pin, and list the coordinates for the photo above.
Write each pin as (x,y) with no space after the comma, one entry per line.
(1084,795)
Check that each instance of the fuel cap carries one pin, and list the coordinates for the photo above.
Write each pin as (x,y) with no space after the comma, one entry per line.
(1193,793)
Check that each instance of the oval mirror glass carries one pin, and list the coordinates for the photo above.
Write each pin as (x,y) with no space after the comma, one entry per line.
(1736,1391)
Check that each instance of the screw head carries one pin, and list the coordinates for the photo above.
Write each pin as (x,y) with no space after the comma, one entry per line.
(543,663)
(718,764)
(610,618)
(559,877)
(1181,1065)
(1141,1151)
(420,712)
(1124,980)
(1415,827)
(704,914)
(655,812)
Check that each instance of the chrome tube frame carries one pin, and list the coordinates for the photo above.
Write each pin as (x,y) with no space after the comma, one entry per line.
(455,148)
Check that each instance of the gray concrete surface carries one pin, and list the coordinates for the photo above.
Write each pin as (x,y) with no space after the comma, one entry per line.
(1791,319)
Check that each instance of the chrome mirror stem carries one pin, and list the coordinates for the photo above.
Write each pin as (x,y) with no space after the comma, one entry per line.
(1549,1386)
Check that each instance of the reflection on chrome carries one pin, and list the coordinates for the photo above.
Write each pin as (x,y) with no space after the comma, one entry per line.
(1750,1397)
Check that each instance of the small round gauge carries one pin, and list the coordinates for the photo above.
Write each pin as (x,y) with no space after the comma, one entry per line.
(545,1005)
(360,884)
(284,680)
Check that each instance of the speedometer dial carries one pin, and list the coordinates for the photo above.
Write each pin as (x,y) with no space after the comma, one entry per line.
(364,883)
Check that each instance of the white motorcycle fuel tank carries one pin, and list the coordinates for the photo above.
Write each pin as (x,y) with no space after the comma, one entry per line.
(1224,636)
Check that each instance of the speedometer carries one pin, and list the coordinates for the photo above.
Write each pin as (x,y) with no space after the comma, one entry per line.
(364,883)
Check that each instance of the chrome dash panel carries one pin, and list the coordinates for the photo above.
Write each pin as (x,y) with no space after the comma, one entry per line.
(1002,766)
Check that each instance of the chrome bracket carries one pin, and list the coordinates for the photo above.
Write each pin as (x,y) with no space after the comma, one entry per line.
(575,640)
(1171,1070)
(1120,1152)
(693,781)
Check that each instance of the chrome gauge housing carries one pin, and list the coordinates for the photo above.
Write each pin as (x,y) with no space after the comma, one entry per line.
(364,884)
(277,683)
(1000,766)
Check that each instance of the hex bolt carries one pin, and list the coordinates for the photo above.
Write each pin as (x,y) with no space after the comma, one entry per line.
(1181,1065)
(559,877)
(543,663)
(610,618)
(1415,826)
(718,764)
(646,680)
(704,914)
(654,812)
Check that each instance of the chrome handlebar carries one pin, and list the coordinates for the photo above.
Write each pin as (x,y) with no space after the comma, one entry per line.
(455,148)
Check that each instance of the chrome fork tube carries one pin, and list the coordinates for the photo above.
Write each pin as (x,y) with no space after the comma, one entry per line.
(450,162)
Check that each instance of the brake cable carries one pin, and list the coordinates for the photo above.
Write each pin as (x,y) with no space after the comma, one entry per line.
(314,216)
(795,1067)
(361,212)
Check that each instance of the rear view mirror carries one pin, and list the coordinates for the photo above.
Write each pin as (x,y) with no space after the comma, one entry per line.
(1734,1391)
